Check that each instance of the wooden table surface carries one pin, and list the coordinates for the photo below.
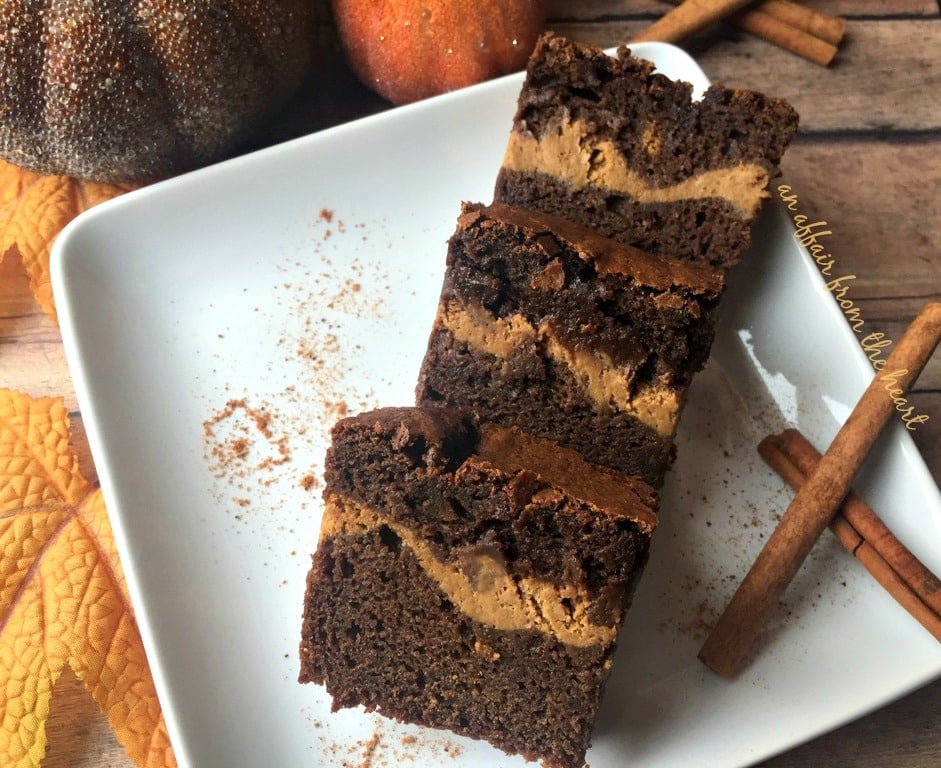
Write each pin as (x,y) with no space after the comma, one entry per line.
(868,161)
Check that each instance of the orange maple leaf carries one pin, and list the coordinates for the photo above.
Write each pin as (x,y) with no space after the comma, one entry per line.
(63,598)
(33,210)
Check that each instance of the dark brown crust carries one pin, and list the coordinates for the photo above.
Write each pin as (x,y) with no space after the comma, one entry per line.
(646,312)
(609,257)
(432,479)
(513,451)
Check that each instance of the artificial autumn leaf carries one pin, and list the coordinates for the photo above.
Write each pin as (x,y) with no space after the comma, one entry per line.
(33,210)
(63,598)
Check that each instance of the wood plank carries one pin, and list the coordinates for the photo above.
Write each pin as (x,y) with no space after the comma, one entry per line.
(606,34)
(895,202)
(20,315)
(592,10)
(876,8)
(78,734)
(31,356)
(884,78)
(595,10)
(901,734)
(38,370)
(874,197)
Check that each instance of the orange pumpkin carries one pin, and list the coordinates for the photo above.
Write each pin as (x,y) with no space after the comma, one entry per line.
(407,50)
(132,91)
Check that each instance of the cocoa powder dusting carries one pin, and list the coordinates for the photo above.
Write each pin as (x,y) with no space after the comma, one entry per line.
(321,303)
(249,446)
(242,449)
(390,745)
(252,442)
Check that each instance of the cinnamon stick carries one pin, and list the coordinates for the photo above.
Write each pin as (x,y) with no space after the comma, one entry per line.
(816,502)
(888,577)
(688,17)
(821,25)
(899,572)
(804,457)
(787,36)
(806,32)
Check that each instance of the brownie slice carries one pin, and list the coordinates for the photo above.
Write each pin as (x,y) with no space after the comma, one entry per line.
(471,578)
(580,339)
(607,142)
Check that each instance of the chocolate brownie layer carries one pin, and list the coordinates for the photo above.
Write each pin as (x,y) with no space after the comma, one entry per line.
(604,141)
(471,579)
(589,342)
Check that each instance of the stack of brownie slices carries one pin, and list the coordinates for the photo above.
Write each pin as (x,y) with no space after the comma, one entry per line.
(479,551)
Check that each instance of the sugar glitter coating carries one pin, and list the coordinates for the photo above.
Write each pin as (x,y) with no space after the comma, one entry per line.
(137,91)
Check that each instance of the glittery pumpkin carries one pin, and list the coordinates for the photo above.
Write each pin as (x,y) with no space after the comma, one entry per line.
(407,50)
(133,91)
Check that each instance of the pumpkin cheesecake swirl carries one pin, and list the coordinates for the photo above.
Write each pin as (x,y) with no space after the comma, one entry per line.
(599,378)
(478,584)
(568,152)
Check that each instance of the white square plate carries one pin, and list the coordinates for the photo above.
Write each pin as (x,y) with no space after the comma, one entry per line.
(217,324)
